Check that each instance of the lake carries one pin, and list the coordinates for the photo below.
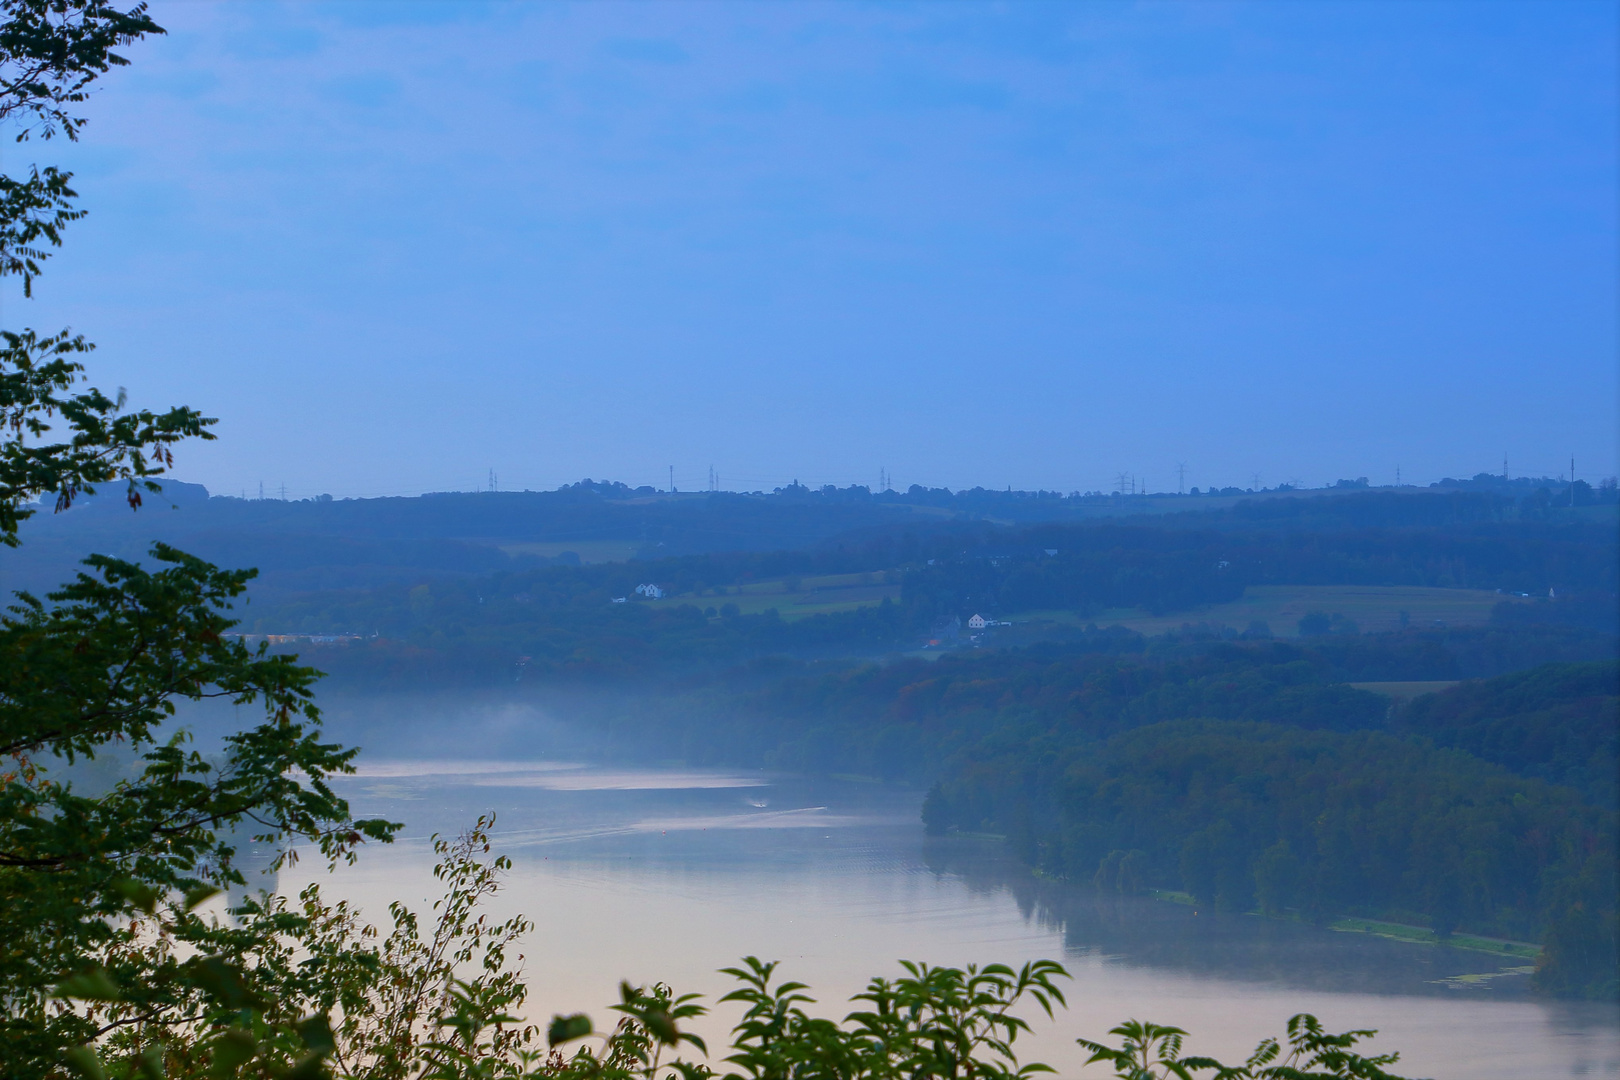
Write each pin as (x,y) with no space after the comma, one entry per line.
(669,874)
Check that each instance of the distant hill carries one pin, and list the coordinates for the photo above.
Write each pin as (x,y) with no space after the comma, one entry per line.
(324,544)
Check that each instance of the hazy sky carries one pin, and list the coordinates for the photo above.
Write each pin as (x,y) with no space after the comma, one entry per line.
(395,245)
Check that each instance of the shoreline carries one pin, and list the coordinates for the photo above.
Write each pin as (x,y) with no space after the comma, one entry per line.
(1394,931)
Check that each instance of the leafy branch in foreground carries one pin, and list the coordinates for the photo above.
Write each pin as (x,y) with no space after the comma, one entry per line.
(308,989)
(1153,1052)
(104,443)
(87,874)
(99,935)
(305,987)
(932,1022)
(50,53)
(33,209)
(936,1022)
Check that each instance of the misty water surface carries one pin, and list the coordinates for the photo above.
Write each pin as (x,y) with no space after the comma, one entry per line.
(666,874)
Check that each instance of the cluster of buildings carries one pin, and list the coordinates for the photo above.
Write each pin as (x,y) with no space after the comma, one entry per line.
(651,592)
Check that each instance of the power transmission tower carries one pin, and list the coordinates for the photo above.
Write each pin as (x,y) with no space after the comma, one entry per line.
(1181,478)
(672,479)
(283,492)
(1397,476)
(261,491)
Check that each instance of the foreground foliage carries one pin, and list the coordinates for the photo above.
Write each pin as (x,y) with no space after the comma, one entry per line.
(98,888)
(308,989)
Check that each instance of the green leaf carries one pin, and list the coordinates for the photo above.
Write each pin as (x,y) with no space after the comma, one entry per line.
(94,985)
(223,981)
(311,1067)
(200,894)
(568,1028)
(232,1048)
(85,1062)
(150,1063)
(137,894)
(662,1025)
(316,1032)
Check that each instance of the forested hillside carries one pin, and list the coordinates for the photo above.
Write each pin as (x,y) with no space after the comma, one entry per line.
(1309,822)
(1246,784)
(1556,722)
(905,587)
(914,719)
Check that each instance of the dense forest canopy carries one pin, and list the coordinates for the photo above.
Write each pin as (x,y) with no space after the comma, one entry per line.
(1322,823)
(1554,721)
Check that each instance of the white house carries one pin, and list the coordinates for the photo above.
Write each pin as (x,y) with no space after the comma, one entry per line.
(977,622)
(651,592)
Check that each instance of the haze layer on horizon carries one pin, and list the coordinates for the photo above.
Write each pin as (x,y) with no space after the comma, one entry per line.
(395,247)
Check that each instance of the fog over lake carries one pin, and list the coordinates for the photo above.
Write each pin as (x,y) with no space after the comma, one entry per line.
(669,874)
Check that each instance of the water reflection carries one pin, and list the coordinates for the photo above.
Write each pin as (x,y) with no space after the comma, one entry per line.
(669,874)
(1141,931)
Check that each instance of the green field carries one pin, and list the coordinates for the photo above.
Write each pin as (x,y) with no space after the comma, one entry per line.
(589,551)
(820,595)
(1372,607)
(1422,935)
(1405,691)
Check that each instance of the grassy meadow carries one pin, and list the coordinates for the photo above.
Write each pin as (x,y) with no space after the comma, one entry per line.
(797,598)
(1373,608)
(589,551)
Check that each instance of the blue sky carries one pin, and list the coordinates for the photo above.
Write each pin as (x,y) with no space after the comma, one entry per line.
(396,245)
